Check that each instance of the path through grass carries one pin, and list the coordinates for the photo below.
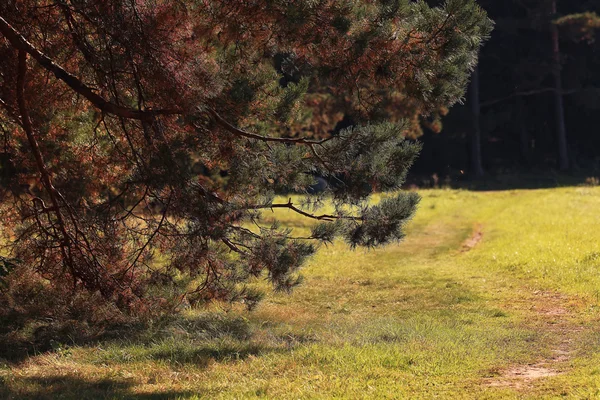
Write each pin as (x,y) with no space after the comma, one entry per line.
(492,295)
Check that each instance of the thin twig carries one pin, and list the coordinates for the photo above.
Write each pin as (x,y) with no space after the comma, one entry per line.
(239,132)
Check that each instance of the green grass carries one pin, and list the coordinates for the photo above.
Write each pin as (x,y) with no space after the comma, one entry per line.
(425,318)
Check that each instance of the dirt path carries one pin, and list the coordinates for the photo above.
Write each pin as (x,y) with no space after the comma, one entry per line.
(474,239)
(552,313)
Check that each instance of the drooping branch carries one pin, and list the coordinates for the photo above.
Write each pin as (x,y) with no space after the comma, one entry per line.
(39,159)
(239,132)
(232,246)
(19,42)
(22,44)
(291,206)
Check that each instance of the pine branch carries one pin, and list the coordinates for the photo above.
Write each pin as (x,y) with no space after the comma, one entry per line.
(290,205)
(11,112)
(439,29)
(20,43)
(238,132)
(39,159)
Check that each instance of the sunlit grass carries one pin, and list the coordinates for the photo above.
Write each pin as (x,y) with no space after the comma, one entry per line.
(419,319)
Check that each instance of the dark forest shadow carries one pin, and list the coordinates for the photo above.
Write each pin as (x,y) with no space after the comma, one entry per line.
(202,356)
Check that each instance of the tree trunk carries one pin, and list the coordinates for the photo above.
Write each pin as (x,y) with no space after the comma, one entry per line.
(521,127)
(559,110)
(475,136)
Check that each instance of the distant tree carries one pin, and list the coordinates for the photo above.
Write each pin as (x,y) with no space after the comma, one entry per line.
(579,26)
(476,158)
(524,69)
(527,80)
(559,108)
(158,133)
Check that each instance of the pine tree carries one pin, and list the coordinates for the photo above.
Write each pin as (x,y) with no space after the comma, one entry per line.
(144,139)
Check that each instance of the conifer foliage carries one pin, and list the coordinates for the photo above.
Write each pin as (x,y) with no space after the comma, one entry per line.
(143,139)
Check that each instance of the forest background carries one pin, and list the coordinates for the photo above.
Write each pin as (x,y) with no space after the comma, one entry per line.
(517,129)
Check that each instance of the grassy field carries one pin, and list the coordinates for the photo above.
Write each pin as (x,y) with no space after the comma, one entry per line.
(492,295)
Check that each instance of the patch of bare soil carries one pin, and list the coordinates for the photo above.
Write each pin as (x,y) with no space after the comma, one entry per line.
(474,239)
(550,313)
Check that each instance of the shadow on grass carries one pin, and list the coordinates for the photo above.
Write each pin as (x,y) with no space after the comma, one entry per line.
(75,388)
(178,340)
(202,356)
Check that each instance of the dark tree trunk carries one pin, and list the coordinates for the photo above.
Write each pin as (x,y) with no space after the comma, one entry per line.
(521,127)
(475,136)
(559,110)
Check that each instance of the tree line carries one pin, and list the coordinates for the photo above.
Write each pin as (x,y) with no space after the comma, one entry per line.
(533,102)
